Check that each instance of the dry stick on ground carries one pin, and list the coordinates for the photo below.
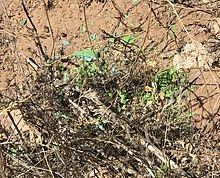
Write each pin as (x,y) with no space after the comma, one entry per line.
(130,152)
(147,32)
(37,39)
(92,95)
(120,16)
(102,7)
(13,104)
(82,112)
(51,29)
(29,168)
(45,157)
(86,23)
(180,21)
(15,125)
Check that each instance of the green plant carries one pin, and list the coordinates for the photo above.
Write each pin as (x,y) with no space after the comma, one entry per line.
(168,82)
(86,70)
(110,94)
(189,115)
(172,28)
(92,37)
(145,97)
(123,97)
(164,167)
(87,54)
(127,39)
(13,151)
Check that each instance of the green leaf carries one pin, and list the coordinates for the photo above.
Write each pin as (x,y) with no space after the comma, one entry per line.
(145,97)
(135,1)
(56,114)
(123,97)
(150,49)
(126,16)
(86,54)
(84,29)
(66,76)
(113,69)
(128,39)
(132,25)
(23,21)
(110,94)
(111,40)
(92,37)
(172,34)
(13,151)
(172,29)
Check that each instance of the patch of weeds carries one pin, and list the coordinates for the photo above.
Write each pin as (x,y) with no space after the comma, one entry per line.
(168,82)
(123,99)
(13,151)
(86,70)
(60,68)
(189,115)
(145,97)
(186,129)
(174,115)
(61,72)
(164,167)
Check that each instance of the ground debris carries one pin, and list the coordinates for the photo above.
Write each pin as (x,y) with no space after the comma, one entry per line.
(194,55)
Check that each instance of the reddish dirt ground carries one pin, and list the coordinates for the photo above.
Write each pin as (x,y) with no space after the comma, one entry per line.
(68,22)
(57,21)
